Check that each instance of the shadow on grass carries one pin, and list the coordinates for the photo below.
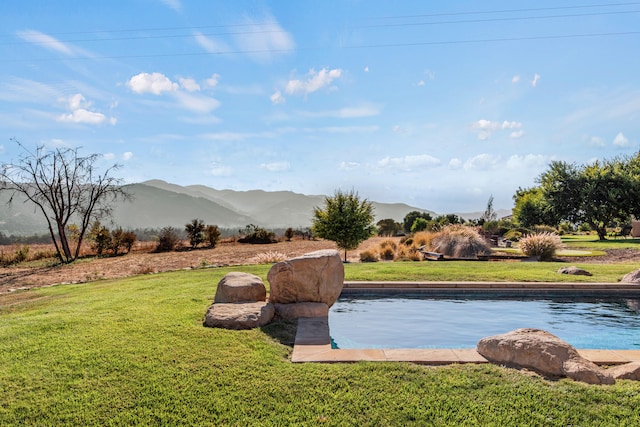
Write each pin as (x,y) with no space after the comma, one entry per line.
(281,330)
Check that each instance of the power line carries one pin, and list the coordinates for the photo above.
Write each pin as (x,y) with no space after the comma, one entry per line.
(371,46)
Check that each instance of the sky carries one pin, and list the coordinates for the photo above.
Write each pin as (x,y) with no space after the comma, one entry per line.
(440,105)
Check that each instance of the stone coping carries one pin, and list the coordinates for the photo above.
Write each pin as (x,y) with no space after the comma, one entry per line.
(313,339)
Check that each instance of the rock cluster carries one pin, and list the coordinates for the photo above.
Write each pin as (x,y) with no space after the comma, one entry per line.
(240,303)
(633,277)
(305,286)
(573,270)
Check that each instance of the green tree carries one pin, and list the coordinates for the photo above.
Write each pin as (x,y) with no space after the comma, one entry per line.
(531,208)
(66,188)
(388,227)
(212,235)
(345,219)
(409,219)
(598,194)
(288,234)
(420,224)
(195,232)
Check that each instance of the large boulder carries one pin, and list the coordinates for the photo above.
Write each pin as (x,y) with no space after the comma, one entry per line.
(240,287)
(313,277)
(542,352)
(245,315)
(633,277)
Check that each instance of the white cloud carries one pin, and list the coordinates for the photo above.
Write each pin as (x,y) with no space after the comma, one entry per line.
(596,141)
(515,79)
(190,85)
(46,41)
(277,98)
(1,149)
(77,101)
(482,162)
(516,134)
(430,74)
(409,163)
(536,78)
(268,40)
(421,83)
(314,81)
(197,103)
(366,69)
(82,116)
(108,156)
(486,128)
(455,163)
(621,141)
(210,45)
(127,155)
(213,80)
(155,83)
(218,169)
(349,166)
(517,162)
(173,4)
(276,166)
(345,113)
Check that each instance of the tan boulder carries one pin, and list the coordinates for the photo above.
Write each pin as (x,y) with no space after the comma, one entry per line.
(633,277)
(542,352)
(302,309)
(240,287)
(245,315)
(313,277)
(628,371)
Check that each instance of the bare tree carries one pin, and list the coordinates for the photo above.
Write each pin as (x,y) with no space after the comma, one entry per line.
(66,188)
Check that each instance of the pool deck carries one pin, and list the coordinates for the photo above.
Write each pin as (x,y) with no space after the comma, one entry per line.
(313,339)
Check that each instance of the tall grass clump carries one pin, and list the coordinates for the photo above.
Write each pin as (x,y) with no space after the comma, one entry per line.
(388,249)
(459,241)
(270,257)
(541,245)
(368,256)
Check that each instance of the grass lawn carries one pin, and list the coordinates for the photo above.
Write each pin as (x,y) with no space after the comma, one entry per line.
(592,242)
(134,352)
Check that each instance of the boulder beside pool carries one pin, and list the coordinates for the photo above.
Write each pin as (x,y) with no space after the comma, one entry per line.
(542,352)
(633,277)
(314,277)
(239,303)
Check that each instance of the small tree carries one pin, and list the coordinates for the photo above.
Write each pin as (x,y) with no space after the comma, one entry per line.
(65,187)
(212,235)
(411,217)
(288,234)
(167,239)
(388,227)
(345,219)
(420,224)
(195,232)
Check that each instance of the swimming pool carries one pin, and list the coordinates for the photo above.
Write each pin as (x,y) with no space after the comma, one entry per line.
(446,321)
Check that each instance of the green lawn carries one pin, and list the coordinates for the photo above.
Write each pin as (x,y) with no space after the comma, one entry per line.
(590,241)
(134,352)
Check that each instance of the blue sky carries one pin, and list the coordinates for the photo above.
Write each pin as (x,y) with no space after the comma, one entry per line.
(436,104)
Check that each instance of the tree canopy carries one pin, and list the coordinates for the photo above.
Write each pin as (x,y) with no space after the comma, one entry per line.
(597,194)
(66,188)
(345,219)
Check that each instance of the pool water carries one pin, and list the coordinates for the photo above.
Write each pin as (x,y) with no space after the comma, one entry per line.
(460,322)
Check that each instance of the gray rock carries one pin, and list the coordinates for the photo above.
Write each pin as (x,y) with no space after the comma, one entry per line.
(313,277)
(240,287)
(633,277)
(576,271)
(302,309)
(239,315)
(542,352)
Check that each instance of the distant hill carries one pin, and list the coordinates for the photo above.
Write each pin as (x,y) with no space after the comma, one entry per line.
(157,204)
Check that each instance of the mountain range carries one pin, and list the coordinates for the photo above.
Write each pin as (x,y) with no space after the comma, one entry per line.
(156,204)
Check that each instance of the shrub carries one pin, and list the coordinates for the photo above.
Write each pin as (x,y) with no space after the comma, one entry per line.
(22,254)
(100,236)
(543,229)
(195,232)
(212,235)
(422,239)
(288,234)
(167,239)
(541,245)
(368,256)
(459,241)
(254,234)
